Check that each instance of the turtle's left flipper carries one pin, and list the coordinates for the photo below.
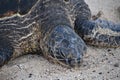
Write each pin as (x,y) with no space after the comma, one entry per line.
(99,32)
(6,50)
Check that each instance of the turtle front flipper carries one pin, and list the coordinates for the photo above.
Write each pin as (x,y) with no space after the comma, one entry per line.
(6,50)
(99,32)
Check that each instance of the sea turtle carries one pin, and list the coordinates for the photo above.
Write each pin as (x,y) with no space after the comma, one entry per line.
(55,28)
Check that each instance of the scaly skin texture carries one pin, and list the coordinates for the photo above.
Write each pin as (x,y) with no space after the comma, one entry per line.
(48,27)
(34,32)
(99,33)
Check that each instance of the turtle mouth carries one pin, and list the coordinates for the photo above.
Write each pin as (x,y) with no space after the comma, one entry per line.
(71,62)
(67,62)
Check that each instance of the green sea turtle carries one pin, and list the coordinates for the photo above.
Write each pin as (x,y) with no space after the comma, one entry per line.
(57,28)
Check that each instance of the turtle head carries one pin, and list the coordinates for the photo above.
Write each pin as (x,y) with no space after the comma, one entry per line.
(65,46)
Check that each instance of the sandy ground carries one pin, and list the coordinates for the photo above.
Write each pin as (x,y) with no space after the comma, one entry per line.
(98,64)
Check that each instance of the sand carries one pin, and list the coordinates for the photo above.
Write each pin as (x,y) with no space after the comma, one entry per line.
(98,63)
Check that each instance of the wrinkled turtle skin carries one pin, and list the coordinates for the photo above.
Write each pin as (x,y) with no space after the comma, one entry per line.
(57,28)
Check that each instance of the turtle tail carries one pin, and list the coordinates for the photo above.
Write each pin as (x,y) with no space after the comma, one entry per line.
(99,32)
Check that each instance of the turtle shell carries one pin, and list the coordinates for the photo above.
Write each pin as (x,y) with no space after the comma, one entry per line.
(10,7)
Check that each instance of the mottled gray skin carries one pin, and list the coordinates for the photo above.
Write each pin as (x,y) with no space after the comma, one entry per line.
(99,33)
(49,27)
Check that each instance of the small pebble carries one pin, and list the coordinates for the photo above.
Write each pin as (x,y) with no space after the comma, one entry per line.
(109,50)
(100,73)
(116,65)
(93,71)
(30,75)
